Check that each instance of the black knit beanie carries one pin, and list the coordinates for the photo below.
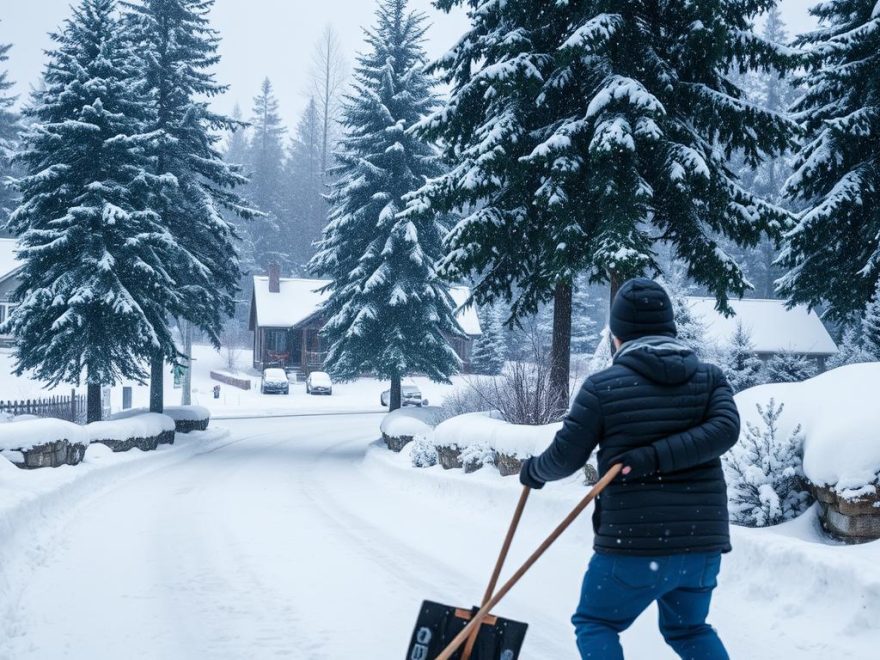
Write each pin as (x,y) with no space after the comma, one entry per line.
(641,307)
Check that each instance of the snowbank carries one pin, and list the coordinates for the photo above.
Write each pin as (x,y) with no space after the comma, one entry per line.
(186,418)
(30,433)
(487,429)
(840,418)
(406,424)
(145,425)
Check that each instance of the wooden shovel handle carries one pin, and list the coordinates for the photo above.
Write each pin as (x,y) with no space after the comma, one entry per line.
(499,564)
(475,622)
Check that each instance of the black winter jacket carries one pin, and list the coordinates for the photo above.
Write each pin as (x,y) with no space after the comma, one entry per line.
(656,394)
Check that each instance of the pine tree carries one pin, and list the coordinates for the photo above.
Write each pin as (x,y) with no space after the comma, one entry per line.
(236,156)
(788,367)
(9,129)
(94,252)
(265,158)
(582,131)
(851,348)
(871,325)
(765,474)
(308,209)
(690,328)
(832,254)
(742,368)
(388,313)
(177,49)
(490,348)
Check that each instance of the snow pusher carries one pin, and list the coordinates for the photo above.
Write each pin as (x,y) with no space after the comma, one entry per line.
(442,630)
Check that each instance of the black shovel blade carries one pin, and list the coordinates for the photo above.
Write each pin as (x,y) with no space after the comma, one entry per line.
(437,625)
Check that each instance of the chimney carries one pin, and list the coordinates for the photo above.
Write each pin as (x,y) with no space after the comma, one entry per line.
(274,278)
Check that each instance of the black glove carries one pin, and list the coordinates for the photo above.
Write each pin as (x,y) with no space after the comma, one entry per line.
(642,462)
(526,478)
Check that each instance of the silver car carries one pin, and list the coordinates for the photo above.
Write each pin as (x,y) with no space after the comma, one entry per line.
(410,395)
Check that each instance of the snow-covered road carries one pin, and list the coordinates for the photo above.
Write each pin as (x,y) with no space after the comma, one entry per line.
(284,541)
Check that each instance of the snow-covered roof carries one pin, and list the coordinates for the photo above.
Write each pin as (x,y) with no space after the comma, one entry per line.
(300,299)
(297,300)
(772,327)
(8,261)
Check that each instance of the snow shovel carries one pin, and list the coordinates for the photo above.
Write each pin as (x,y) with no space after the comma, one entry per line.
(487,637)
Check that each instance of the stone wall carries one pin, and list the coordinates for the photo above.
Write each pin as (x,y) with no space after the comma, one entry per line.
(144,444)
(189,425)
(396,443)
(854,520)
(51,454)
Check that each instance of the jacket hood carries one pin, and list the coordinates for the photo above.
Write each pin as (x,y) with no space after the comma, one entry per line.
(664,360)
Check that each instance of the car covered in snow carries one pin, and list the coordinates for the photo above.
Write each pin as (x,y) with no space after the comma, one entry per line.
(319,382)
(274,381)
(410,395)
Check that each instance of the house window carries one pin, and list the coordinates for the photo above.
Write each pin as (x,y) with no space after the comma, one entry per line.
(2,312)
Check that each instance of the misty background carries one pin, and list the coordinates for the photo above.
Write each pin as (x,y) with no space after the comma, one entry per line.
(264,38)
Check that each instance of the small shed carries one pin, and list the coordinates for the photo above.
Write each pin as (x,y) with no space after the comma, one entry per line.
(772,327)
(286,320)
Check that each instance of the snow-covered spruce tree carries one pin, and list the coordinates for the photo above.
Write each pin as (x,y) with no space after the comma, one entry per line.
(583,131)
(95,254)
(765,477)
(690,328)
(305,185)
(832,254)
(490,348)
(788,367)
(388,313)
(851,347)
(236,155)
(871,325)
(742,368)
(9,129)
(265,161)
(177,48)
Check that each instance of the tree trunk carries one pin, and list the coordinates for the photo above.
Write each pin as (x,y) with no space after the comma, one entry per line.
(186,394)
(614,279)
(93,403)
(157,374)
(394,401)
(560,349)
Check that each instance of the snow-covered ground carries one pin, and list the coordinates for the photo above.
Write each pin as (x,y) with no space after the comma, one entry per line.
(302,538)
(360,396)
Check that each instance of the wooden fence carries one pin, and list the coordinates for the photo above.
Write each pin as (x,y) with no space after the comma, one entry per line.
(72,408)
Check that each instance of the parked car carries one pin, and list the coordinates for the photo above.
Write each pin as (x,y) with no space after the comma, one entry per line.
(319,382)
(275,382)
(410,395)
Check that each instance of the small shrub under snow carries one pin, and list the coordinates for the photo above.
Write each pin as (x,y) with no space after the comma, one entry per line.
(423,453)
(476,455)
(766,483)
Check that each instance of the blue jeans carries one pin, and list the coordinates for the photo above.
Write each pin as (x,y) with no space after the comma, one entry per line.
(618,588)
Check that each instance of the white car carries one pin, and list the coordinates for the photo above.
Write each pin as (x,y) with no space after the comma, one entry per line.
(275,382)
(319,382)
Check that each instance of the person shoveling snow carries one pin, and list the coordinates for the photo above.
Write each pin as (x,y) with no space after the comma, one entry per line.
(661,526)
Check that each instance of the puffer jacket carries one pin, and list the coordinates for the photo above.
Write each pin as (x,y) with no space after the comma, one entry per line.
(656,394)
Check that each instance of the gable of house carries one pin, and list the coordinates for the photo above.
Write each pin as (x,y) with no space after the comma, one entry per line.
(299,300)
(772,327)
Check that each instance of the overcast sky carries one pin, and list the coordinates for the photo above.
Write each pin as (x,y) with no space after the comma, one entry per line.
(273,38)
